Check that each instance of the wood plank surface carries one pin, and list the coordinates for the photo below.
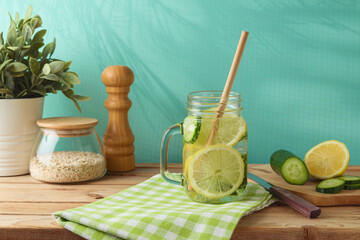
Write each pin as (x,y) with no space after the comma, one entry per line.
(26,206)
(307,191)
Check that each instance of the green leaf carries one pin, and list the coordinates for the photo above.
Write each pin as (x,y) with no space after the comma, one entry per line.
(68,93)
(17,74)
(66,85)
(11,36)
(67,64)
(36,45)
(81,98)
(77,105)
(21,22)
(56,66)
(51,77)
(28,13)
(9,96)
(20,41)
(35,23)
(22,93)
(27,32)
(17,17)
(5,90)
(34,66)
(12,22)
(39,35)
(47,50)
(50,89)
(53,47)
(41,92)
(46,69)
(1,38)
(4,63)
(17,67)
(39,21)
(12,48)
(70,77)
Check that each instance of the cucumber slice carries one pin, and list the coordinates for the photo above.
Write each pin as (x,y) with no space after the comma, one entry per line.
(290,167)
(352,187)
(349,180)
(332,185)
(191,129)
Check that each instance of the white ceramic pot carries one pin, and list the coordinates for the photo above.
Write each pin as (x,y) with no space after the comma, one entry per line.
(18,131)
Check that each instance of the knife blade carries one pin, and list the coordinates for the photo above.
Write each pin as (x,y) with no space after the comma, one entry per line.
(299,204)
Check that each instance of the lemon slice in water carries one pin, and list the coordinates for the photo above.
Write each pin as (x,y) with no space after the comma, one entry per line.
(216,171)
(231,128)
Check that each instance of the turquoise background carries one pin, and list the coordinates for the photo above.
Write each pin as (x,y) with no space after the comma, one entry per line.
(299,76)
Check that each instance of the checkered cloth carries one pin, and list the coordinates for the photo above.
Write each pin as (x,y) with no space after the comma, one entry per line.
(156,210)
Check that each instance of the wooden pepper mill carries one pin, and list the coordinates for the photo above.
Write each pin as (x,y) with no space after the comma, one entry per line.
(118,138)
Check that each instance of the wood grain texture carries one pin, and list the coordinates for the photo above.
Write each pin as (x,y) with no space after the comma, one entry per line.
(118,138)
(307,191)
(66,123)
(26,206)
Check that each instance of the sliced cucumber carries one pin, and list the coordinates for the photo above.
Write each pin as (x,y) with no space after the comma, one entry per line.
(191,129)
(332,185)
(349,180)
(352,187)
(290,167)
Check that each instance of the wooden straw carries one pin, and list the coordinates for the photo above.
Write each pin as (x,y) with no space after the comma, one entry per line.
(228,86)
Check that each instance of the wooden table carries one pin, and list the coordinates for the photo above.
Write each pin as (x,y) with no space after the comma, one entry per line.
(26,206)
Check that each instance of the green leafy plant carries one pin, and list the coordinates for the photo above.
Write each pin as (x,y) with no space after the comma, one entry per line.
(27,69)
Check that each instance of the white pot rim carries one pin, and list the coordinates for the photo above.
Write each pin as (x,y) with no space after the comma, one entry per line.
(21,99)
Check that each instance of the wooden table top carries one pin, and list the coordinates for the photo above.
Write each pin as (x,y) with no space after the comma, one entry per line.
(26,206)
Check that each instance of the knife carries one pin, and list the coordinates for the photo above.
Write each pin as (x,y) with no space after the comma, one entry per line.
(289,198)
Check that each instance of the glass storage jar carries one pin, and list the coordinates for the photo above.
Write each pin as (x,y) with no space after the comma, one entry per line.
(67,150)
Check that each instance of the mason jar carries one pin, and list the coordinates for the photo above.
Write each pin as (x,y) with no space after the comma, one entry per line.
(215,148)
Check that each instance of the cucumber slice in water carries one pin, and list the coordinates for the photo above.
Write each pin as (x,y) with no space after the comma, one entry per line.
(350,180)
(191,129)
(332,185)
(290,167)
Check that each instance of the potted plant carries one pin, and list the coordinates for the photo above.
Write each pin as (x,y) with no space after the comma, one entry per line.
(28,72)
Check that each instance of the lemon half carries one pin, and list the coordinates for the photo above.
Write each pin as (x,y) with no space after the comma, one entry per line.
(327,159)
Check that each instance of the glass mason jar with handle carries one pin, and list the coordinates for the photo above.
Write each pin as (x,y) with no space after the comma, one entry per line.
(214,170)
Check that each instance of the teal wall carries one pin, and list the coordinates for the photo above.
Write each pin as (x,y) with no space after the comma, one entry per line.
(299,76)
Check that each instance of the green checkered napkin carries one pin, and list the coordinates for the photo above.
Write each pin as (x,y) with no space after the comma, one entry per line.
(156,210)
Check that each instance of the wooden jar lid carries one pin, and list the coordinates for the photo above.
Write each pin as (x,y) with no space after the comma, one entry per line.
(67,123)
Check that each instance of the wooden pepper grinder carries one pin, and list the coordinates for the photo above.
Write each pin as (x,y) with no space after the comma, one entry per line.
(118,138)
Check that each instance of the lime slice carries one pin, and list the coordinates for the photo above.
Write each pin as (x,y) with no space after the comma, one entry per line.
(216,171)
(327,159)
(231,128)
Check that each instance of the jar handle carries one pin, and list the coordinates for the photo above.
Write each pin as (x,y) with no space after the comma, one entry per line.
(175,129)
(99,140)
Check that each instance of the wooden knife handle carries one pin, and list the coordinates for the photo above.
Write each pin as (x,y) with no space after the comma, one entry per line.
(296,202)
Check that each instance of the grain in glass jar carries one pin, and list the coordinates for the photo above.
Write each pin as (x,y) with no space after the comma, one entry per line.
(67,150)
